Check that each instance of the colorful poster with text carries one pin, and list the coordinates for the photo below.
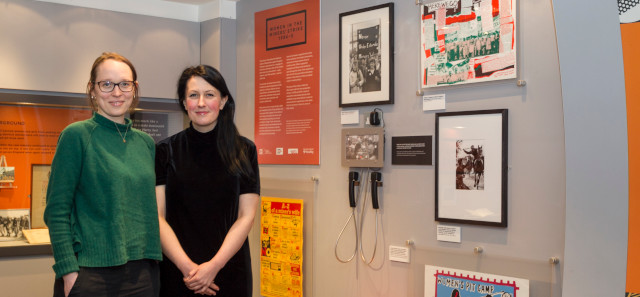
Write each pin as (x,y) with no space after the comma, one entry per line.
(281,253)
(466,41)
(448,282)
(287,84)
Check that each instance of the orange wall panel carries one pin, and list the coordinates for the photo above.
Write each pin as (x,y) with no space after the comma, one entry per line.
(28,135)
(630,49)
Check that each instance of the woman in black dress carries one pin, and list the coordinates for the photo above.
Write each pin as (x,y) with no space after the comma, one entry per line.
(207,186)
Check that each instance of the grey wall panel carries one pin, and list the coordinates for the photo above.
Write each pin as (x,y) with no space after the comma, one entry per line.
(228,55)
(210,36)
(51,47)
(218,49)
(536,157)
(595,123)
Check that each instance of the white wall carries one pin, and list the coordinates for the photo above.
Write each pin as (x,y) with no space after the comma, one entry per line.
(26,276)
(51,47)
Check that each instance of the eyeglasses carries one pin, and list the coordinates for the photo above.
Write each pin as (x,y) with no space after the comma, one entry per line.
(108,86)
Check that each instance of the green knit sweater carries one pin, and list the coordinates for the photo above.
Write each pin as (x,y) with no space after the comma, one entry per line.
(101,206)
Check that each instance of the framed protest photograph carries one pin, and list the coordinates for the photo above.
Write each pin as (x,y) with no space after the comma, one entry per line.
(363,147)
(366,56)
(12,223)
(471,167)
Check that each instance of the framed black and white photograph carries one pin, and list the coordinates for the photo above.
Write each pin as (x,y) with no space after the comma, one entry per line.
(366,56)
(471,167)
(12,223)
(363,147)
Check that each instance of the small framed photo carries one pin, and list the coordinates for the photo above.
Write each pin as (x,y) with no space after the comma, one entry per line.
(366,56)
(12,224)
(471,167)
(363,147)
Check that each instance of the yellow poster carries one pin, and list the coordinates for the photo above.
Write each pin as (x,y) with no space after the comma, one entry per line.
(281,252)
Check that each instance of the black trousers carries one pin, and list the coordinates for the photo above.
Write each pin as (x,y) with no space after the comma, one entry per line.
(139,278)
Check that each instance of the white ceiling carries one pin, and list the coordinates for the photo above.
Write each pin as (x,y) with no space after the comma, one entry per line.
(188,10)
(194,2)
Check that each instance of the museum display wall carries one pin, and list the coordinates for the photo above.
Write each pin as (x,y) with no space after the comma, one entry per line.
(549,197)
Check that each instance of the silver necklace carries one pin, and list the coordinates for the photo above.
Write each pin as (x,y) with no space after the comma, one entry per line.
(125,132)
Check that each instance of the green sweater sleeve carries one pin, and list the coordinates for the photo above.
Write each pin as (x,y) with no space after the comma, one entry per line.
(65,175)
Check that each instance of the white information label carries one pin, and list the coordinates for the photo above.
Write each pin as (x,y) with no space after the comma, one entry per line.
(433,102)
(448,233)
(350,117)
(399,254)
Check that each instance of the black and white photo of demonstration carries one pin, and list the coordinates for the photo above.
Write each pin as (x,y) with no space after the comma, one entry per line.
(12,222)
(362,147)
(364,57)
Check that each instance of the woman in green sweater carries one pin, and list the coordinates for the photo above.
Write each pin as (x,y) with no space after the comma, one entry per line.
(101,206)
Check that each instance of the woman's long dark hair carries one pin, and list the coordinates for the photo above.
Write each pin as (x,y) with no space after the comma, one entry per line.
(231,147)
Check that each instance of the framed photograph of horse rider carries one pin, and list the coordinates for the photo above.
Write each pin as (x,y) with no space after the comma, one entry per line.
(366,56)
(471,167)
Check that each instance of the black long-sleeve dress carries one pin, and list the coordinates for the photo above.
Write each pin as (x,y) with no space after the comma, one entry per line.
(202,201)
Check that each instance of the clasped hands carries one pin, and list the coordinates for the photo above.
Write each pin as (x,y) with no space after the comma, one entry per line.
(200,279)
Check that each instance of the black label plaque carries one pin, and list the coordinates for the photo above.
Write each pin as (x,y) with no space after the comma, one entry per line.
(411,150)
(154,124)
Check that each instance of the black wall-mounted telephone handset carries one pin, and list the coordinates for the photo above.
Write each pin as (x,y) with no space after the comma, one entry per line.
(353,182)
(376,178)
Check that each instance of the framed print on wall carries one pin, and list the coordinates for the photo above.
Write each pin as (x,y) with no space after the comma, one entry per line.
(39,183)
(471,167)
(366,56)
(466,41)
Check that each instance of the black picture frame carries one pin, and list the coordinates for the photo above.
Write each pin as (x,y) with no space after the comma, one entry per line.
(366,35)
(471,167)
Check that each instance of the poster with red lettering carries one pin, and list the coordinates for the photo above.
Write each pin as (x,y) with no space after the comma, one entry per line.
(287,84)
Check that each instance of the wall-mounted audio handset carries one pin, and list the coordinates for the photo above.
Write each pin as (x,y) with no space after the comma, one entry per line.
(374,118)
(375,181)
(371,181)
(353,182)
(376,178)
(363,148)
